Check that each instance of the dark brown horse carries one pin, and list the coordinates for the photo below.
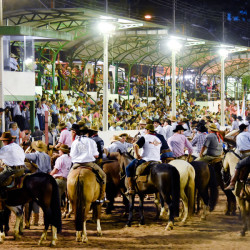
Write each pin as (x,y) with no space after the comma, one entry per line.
(163,179)
(43,189)
(206,186)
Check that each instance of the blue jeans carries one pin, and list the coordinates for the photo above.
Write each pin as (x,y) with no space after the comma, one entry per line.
(130,169)
(167,155)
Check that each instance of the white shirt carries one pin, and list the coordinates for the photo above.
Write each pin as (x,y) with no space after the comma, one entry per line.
(160,131)
(45,107)
(168,131)
(12,155)
(16,110)
(151,148)
(115,146)
(83,150)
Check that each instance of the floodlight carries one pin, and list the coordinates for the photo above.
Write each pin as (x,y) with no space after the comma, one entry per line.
(106,27)
(147,17)
(223,52)
(174,45)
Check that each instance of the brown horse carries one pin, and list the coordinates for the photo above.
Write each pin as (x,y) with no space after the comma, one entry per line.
(115,181)
(83,191)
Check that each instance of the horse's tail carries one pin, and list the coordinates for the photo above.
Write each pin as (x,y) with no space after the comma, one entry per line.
(175,190)
(79,205)
(213,188)
(55,206)
(191,189)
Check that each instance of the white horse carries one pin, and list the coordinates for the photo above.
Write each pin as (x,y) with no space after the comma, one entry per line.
(229,164)
(187,186)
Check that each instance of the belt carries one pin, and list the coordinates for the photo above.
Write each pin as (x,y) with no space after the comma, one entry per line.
(165,151)
(245,151)
(61,178)
(17,167)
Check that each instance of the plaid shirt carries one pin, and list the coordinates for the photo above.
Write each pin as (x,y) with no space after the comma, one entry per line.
(199,140)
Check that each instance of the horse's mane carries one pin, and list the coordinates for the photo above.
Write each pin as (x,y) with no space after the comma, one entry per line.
(128,154)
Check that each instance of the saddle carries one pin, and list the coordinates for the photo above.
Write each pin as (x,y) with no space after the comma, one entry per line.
(143,170)
(216,160)
(89,167)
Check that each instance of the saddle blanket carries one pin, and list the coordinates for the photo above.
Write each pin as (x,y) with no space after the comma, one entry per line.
(142,169)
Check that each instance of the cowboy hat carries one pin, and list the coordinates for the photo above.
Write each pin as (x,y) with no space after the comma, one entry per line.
(150,127)
(94,128)
(201,128)
(213,127)
(157,121)
(142,122)
(39,146)
(61,125)
(124,134)
(173,119)
(64,148)
(179,127)
(115,138)
(242,127)
(6,136)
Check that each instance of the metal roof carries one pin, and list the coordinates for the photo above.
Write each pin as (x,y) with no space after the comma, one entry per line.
(134,42)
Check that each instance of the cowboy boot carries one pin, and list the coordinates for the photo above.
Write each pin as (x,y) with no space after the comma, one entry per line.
(233,180)
(131,189)
(102,197)
(35,219)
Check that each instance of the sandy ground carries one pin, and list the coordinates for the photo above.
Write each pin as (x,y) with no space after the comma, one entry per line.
(217,232)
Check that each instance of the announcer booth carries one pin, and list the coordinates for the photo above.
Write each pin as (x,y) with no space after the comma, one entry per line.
(18,76)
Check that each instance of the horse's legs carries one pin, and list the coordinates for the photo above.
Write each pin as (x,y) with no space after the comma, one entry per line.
(205,198)
(125,201)
(70,210)
(170,224)
(185,204)
(6,218)
(131,208)
(141,202)
(43,237)
(54,236)
(84,234)
(2,234)
(98,221)
(19,213)
(27,214)
(242,204)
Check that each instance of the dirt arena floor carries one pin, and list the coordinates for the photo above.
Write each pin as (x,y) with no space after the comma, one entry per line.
(217,232)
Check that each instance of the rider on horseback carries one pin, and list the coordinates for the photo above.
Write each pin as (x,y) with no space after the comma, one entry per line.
(12,156)
(84,153)
(243,149)
(151,146)
(212,145)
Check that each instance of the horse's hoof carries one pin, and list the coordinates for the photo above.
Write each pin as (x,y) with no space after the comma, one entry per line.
(242,233)
(168,228)
(67,216)
(227,213)
(142,223)
(233,213)
(27,227)
(53,244)
(128,225)
(99,234)
(85,240)
(17,237)
(203,218)
(78,239)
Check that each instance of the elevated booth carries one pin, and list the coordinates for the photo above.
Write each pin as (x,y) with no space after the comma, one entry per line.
(19,63)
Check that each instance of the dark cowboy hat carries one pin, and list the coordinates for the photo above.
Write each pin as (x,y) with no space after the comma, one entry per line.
(6,136)
(201,128)
(64,148)
(242,127)
(157,120)
(150,127)
(84,130)
(94,128)
(179,127)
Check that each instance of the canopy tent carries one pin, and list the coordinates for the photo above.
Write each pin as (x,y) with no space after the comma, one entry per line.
(143,43)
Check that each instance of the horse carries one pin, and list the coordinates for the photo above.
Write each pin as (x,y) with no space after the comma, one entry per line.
(163,179)
(229,164)
(83,191)
(187,185)
(115,181)
(205,180)
(43,189)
